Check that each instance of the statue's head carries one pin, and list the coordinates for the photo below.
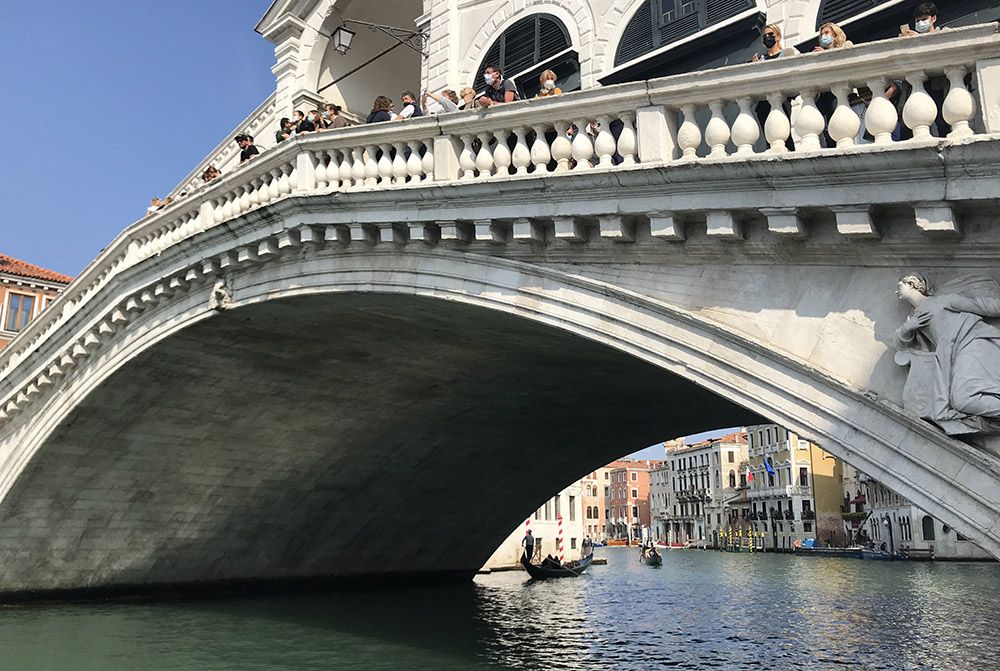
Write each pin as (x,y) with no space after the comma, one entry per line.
(918,282)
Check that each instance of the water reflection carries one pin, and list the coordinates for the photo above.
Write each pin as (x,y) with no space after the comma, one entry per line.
(701,610)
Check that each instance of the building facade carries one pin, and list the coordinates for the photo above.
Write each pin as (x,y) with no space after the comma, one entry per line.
(795,489)
(559,518)
(693,489)
(875,514)
(628,500)
(25,290)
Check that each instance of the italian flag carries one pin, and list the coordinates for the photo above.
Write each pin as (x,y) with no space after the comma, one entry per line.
(749,474)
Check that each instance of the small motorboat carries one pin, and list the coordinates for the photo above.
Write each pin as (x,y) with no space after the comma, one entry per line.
(650,557)
(568,570)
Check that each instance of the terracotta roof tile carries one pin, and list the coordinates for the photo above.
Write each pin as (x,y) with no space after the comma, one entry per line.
(12,266)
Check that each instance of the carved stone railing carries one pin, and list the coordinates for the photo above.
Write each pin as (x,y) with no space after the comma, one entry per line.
(664,123)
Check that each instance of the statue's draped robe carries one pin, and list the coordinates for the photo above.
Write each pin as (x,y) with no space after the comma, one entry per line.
(967,361)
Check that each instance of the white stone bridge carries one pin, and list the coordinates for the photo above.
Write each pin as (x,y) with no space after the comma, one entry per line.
(372,351)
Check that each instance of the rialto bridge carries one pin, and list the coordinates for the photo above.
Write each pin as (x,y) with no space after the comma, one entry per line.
(371,351)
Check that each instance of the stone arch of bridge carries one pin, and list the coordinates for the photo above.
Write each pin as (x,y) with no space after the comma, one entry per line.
(414,286)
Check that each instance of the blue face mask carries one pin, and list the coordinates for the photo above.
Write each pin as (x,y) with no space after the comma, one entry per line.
(825,41)
(923,26)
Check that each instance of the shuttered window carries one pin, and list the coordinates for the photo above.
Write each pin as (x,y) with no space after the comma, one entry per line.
(835,11)
(529,41)
(658,23)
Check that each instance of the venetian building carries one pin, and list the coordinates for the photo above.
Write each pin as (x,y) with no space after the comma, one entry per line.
(25,290)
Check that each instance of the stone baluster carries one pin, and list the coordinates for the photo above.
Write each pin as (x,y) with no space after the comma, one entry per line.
(371,166)
(385,164)
(562,148)
(245,204)
(689,134)
(414,165)
(399,171)
(582,147)
(604,144)
(717,131)
(920,110)
(349,167)
(777,126)
(627,142)
(333,171)
(844,122)
(540,154)
(501,153)
(427,162)
(809,123)
(286,181)
(745,131)
(237,202)
(320,170)
(484,159)
(227,207)
(274,185)
(257,185)
(521,156)
(467,158)
(880,117)
(217,215)
(959,105)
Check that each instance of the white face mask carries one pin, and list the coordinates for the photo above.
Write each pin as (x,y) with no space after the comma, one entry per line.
(550,84)
(489,78)
(923,26)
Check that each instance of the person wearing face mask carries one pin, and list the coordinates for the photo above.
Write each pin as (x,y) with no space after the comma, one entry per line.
(498,90)
(548,85)
(771,39)
(924,21)
(303,124)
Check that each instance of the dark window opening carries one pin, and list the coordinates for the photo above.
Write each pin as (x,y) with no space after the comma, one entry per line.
(530,46)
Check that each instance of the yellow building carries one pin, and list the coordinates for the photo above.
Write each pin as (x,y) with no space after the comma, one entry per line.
(795,489)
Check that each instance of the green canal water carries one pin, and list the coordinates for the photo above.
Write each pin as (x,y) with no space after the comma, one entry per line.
(700,610)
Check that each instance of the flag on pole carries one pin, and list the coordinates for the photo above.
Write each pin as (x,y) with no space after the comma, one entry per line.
(749,474)
(769,468)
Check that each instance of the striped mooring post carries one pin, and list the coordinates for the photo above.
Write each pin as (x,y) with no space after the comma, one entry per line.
(559,539)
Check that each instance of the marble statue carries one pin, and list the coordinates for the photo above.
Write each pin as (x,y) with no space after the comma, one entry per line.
(953,352)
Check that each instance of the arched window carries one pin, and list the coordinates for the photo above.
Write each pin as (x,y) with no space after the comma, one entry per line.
(927,527)
(522,52)
(836,11)
(732,478)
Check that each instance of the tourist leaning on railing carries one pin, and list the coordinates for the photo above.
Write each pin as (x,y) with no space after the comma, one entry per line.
(447,100)
(303,124)
(547,82)
(285,130)
(498,90)
(333,117)
(925,21)
(211,172)
(410,107)
(381,110)
(247,149)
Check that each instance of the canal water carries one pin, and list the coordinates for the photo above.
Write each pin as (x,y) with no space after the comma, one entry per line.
(699,610)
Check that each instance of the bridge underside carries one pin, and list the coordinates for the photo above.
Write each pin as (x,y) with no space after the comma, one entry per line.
(338,435)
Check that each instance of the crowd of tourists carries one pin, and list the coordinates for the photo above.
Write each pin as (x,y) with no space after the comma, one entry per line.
(499,90)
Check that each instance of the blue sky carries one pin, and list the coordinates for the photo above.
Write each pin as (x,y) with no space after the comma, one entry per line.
(656,451)
(107,104)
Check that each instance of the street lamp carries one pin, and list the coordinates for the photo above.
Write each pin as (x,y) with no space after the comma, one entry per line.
(342,37)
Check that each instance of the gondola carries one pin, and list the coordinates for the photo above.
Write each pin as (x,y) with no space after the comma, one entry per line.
(570,570)
(650,557)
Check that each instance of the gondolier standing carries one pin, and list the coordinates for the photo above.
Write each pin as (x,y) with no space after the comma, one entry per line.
(529,544)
